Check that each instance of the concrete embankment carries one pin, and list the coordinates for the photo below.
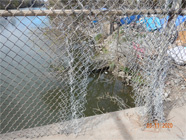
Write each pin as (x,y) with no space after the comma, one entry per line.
(120,125)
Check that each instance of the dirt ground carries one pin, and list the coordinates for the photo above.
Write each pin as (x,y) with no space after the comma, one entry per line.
(175,86)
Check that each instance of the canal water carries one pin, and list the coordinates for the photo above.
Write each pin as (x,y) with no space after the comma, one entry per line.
(29,97)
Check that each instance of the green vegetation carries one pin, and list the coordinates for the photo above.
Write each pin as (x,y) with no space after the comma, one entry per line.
(14,4)
(57,68)
(121,31)
(138,79)
(99,38)
(121,68)
(126,70)
(124,39)
(135,77)
(112,65)
(105,50)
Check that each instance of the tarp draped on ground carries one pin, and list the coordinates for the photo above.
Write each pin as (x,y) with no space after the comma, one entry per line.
(128,20)
(179,20)
(151,23)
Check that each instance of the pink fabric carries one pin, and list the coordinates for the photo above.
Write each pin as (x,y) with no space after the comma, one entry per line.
(140,51)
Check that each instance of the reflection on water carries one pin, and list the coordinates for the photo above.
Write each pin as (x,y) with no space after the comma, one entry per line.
(5,22)
(106,84)
(99,86)
(23,23)
(29,97)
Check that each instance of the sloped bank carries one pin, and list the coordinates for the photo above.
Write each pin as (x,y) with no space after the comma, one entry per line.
(114,52)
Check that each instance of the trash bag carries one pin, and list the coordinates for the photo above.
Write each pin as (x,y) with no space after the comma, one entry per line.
(178,54)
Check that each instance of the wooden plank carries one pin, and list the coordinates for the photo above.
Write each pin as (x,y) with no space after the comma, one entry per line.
(6,13)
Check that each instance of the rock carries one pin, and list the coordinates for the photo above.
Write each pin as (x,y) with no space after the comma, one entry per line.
(183,87)
(129,77)
(121,74)
(176,81)
(127,81)
(166,94)
(168,99)
(172,82)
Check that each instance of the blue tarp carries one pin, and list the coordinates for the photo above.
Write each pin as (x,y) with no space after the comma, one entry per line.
(151,23)
(180,19)
(164,21)
(102,9)
(154,23)
(128,20)
(95,21)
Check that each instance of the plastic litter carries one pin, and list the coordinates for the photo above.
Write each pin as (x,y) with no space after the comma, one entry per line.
(128,20)
(179,20)
(178,54)
(151,23)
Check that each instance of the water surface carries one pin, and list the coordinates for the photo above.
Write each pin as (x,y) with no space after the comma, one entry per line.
(29,96)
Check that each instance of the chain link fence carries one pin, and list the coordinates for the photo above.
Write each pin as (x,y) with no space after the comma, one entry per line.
(50,47)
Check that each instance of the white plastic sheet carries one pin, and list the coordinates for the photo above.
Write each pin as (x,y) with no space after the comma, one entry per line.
(178,54)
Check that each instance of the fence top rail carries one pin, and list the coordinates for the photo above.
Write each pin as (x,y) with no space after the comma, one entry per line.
(5,13)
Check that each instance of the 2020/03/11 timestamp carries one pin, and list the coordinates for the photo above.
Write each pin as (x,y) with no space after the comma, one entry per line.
(159,125)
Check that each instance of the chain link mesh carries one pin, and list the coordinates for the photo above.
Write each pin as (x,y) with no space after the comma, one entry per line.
(50,47)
